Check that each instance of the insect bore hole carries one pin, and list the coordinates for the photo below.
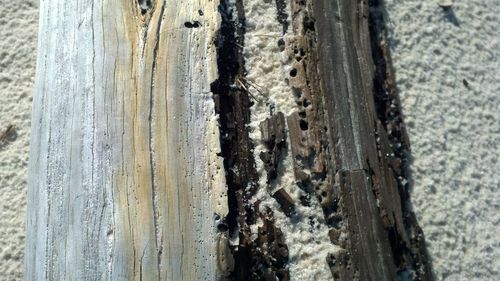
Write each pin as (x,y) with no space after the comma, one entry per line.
(303,125)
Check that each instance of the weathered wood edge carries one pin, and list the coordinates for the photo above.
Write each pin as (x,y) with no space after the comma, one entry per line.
(350,37)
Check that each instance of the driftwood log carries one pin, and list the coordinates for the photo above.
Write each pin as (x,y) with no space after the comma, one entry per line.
(144,163)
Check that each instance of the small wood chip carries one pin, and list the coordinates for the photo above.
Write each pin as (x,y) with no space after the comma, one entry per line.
(285,200)
(446,3)
(6,133)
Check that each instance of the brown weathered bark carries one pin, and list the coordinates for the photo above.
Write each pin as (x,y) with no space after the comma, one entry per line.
(348,145)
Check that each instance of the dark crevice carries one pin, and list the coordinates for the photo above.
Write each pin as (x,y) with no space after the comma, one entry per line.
(154,188)
(388,110)
(145,6)
(282,15)
(267,256)
(227,100)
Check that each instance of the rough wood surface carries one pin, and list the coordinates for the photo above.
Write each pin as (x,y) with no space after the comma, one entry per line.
(368,165)
(125,176)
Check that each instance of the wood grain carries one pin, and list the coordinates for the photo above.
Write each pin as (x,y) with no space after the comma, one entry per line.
(124,174)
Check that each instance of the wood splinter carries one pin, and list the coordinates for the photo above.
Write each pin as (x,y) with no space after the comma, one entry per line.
(6,133)
(274,136)
(285,200)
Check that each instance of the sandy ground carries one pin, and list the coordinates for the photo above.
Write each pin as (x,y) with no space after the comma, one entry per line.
(447,71)
(447,68)
(18,40)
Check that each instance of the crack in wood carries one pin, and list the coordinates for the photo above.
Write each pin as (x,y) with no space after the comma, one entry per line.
(253,259)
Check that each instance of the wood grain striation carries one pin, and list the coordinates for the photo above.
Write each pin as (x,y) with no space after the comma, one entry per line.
(125,178)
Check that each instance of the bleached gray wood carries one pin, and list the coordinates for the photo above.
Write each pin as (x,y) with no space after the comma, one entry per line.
(124,177)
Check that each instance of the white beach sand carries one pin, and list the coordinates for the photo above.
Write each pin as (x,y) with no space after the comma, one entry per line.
(454,129)
(18,41)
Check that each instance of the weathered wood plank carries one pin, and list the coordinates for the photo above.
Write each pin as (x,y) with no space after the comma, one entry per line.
(350,34)
(372,257)
(124,173)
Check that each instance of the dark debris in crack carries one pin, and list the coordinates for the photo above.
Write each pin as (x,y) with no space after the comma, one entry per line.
(266,257)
